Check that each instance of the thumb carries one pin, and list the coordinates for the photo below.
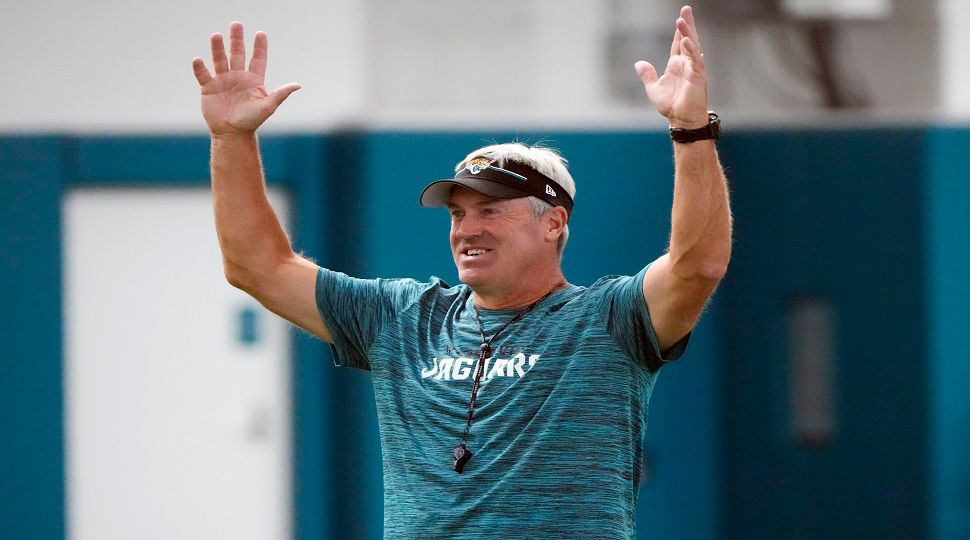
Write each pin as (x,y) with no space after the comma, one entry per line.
(277,96)
(646,72)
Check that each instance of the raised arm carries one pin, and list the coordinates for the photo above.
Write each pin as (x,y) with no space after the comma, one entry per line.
(256,251)
(679,283)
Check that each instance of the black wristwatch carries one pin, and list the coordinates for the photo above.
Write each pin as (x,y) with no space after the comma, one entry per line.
(711,131)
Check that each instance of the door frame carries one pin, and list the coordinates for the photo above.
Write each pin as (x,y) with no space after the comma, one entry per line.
(299,165)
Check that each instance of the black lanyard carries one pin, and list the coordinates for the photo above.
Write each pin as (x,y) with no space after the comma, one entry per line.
(461,452)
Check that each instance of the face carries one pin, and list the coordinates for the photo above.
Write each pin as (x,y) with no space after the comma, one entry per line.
(494,241)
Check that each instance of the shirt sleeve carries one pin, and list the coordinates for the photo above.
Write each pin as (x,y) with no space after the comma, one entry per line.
(355,310)
(623,307)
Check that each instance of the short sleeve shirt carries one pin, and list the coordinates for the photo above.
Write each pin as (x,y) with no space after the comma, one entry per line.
(559,418)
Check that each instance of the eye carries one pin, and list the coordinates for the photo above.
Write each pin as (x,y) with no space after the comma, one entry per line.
(457,214)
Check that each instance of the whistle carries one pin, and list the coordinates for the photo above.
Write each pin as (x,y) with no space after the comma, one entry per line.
(462,455)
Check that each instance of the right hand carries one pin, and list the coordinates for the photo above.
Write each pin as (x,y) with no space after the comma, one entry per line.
(234,101)
(680,94)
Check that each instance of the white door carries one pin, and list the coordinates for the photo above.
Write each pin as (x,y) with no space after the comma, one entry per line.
(177,385)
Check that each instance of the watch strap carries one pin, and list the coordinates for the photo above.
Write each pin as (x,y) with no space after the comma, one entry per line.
(711,131)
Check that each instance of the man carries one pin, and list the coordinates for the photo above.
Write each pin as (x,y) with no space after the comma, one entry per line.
(512,405)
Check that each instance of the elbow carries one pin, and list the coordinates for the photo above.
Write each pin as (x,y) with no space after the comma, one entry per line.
(709,273)
(234,279)
(237,276)
(253,279)
(714,270)
(701,263)
(710,270)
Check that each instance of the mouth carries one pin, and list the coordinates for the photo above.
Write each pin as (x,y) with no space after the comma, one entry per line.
(474,252)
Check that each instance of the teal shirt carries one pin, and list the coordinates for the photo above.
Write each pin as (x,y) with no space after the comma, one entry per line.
(559,419)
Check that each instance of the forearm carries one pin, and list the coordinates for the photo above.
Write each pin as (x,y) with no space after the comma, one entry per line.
(700,235)
(250,235)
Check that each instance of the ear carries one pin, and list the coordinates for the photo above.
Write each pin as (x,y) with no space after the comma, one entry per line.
(555,222)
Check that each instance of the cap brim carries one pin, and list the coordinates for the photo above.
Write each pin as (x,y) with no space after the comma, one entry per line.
(437,193)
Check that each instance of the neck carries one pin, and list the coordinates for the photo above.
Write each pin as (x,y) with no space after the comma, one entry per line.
(486,298)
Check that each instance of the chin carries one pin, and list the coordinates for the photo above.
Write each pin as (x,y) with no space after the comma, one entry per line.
(472,277)
(469,278)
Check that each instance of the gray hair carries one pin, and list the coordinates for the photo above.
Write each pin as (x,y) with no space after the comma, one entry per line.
(545,160)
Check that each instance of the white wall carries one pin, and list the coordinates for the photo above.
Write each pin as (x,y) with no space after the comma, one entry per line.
(955,57)
(515,56)
(113,65)
(116,64)
(177,389)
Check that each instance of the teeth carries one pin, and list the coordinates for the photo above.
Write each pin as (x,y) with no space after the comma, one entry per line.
(476,251)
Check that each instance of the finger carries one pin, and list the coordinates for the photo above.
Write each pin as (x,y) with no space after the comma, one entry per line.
(686,12)
(694,53)
(260,54)
(201,72)
(283,92)
(237,46)
(675,45)
(689,27)
(646,72)
(219,60)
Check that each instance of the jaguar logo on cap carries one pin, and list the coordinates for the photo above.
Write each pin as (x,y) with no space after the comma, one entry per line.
(477,165)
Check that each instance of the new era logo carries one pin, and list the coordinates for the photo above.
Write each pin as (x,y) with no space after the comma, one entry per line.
(549,191)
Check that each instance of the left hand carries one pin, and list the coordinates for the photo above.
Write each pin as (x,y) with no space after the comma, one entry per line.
(680,94)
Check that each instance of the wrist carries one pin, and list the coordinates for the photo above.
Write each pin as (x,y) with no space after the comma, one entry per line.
(694,123)
(230,137)
(707,131)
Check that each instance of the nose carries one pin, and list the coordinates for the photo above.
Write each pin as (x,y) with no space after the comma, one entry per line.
(468,227)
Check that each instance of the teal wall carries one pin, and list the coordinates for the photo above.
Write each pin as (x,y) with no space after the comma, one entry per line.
(874,220)
(948,283)
(31,400)
(837,215)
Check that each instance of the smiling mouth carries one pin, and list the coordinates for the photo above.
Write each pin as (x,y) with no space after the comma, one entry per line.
(475,252)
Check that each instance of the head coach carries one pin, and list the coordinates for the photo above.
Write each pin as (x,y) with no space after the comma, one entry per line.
(514,404)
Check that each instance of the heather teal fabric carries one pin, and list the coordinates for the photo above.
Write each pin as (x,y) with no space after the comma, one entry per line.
(560,417)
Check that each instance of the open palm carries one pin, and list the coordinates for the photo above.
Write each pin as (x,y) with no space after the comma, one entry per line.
(234,100)
(680,94)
